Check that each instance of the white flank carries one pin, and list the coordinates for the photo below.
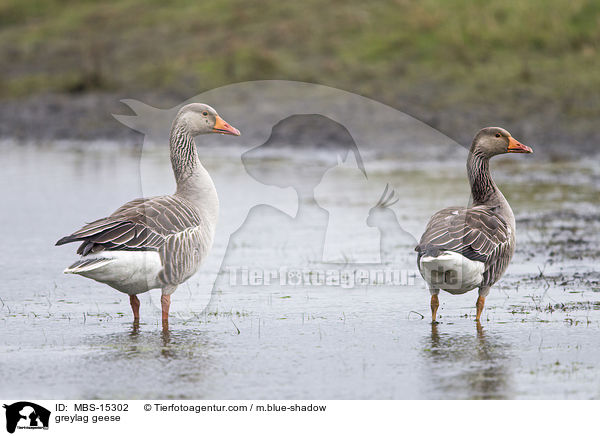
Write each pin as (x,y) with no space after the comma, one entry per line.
(131,272)
(452,272)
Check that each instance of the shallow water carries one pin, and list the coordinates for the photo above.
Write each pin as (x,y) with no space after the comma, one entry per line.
(68,337)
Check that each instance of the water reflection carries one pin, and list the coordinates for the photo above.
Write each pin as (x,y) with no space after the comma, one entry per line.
(135,328)
(166,349)
(141,361)
(467,366)
(140,343)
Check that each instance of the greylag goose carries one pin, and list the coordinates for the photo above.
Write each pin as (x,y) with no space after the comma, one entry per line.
(158,242)
(467,248)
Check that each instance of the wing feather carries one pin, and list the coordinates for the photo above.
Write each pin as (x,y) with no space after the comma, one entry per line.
(141,224)
(478,233)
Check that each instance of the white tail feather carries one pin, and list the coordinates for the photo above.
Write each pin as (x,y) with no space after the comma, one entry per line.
(131,272)
(452,272)
(83,266)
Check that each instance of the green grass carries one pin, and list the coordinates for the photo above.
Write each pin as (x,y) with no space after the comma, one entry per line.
(461,51)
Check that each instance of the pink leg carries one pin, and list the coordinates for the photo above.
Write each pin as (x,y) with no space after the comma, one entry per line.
(479,305)
(165,302)
(435,303)
(135,306)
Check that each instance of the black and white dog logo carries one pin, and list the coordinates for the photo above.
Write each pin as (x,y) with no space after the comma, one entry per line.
(26,415)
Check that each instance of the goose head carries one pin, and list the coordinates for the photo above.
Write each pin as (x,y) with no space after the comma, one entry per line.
(200,119)
(491,141)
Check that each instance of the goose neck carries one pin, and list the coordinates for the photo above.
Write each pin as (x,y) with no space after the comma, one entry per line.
(483,188)
(193,180)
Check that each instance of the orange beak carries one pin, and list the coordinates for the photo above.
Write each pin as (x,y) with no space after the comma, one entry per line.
(222,126)
(515,146)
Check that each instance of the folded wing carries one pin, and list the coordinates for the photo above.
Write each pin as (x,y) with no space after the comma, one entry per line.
(141,224)
(478,233)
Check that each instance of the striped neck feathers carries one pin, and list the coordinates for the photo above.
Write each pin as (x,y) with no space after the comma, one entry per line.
(483,189)
(193,181)
(184,157)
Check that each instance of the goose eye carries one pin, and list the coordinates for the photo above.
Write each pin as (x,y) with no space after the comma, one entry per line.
(497,135)
(205,113)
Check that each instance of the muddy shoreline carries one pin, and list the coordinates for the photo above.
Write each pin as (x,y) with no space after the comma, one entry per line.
(51,117)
